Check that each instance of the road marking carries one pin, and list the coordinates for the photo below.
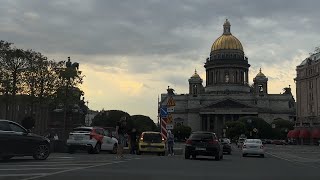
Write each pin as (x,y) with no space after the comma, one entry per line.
(27,169)
(74,169)
(292,161)
(62,158)
(18,175)
(41,165)
(280,157)
(56,162)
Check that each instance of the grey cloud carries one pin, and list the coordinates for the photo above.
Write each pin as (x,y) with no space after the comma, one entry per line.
(270,31)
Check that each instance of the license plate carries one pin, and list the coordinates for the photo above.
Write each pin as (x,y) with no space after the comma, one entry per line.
(78,138)
(200,149)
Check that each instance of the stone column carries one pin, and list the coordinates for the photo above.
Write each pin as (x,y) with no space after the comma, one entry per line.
(207,73)
(215,123)
(208,122)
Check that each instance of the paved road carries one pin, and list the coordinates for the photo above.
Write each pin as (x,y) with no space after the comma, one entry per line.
(104,166)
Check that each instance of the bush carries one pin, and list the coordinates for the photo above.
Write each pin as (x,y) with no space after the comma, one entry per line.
(181,132)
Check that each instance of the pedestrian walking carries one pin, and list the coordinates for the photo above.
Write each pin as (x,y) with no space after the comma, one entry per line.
(133,141)
(170,141)
(121,132)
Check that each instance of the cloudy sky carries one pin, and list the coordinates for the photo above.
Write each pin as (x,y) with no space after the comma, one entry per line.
(130,51)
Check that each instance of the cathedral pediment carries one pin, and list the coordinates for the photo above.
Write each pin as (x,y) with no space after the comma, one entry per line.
(228,103)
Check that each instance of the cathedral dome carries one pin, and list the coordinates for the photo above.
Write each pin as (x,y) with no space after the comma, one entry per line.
(195,75)
(260,74)
(227,41)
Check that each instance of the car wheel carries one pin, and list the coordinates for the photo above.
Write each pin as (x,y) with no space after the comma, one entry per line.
(262,155)
(186,155)
(90,150)
(42,152)
(114,149)
(6,158)
(194,156)
(229,152)
(97,148)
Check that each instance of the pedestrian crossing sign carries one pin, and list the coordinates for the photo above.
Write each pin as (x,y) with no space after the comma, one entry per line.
(171,102)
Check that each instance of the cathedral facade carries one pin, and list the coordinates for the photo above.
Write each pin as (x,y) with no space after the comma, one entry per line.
(227,95)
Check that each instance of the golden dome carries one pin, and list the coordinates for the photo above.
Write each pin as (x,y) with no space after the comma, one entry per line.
(227,40)
(260,74)
(195,75)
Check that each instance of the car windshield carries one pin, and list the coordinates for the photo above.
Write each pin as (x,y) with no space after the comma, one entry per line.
(82,129)
(256,141)
(152,137)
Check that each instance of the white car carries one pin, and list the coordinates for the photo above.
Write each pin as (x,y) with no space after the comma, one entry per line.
(92,139)
(252,147)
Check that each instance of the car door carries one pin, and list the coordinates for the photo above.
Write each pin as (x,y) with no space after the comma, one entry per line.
(22,143)
(109,140)
(102,138)
(5,138)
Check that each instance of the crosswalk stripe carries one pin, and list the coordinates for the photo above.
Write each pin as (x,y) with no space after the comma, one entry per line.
(28,169)
(19,175)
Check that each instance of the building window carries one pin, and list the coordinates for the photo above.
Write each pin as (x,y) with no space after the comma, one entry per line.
(227,77)
(310,84)
(260,86)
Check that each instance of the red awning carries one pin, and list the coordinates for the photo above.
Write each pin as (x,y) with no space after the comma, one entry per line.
(289,135)
(304,133)
(315,134)
(295,133)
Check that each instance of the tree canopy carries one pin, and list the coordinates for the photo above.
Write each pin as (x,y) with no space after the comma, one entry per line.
(263,128)
(235,129)
(282,127)
(182,132)
(111,117)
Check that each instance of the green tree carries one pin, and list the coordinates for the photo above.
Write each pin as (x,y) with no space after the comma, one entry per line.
(182,132)
(235,129)
(142,123)
(282,127)
(264,129)
(108,118)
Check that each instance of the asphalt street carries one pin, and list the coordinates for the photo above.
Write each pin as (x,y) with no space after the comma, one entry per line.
(276,165)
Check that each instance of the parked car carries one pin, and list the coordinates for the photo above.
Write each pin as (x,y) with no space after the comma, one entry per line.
(204,144)
(253,147)
(151,142)
(226,145)
(15,140)
(92,139)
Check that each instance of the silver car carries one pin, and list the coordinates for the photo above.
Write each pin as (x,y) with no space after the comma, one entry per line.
(252,147)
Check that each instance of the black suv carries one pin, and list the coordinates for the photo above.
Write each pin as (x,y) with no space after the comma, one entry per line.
(205,144)
(17,141)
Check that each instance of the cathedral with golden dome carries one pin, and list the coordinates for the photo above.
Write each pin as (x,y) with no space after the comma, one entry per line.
(227,94)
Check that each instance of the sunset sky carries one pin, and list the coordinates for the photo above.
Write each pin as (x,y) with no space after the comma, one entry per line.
(131,50)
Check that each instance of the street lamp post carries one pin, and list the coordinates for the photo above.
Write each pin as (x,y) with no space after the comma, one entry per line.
(88,114)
